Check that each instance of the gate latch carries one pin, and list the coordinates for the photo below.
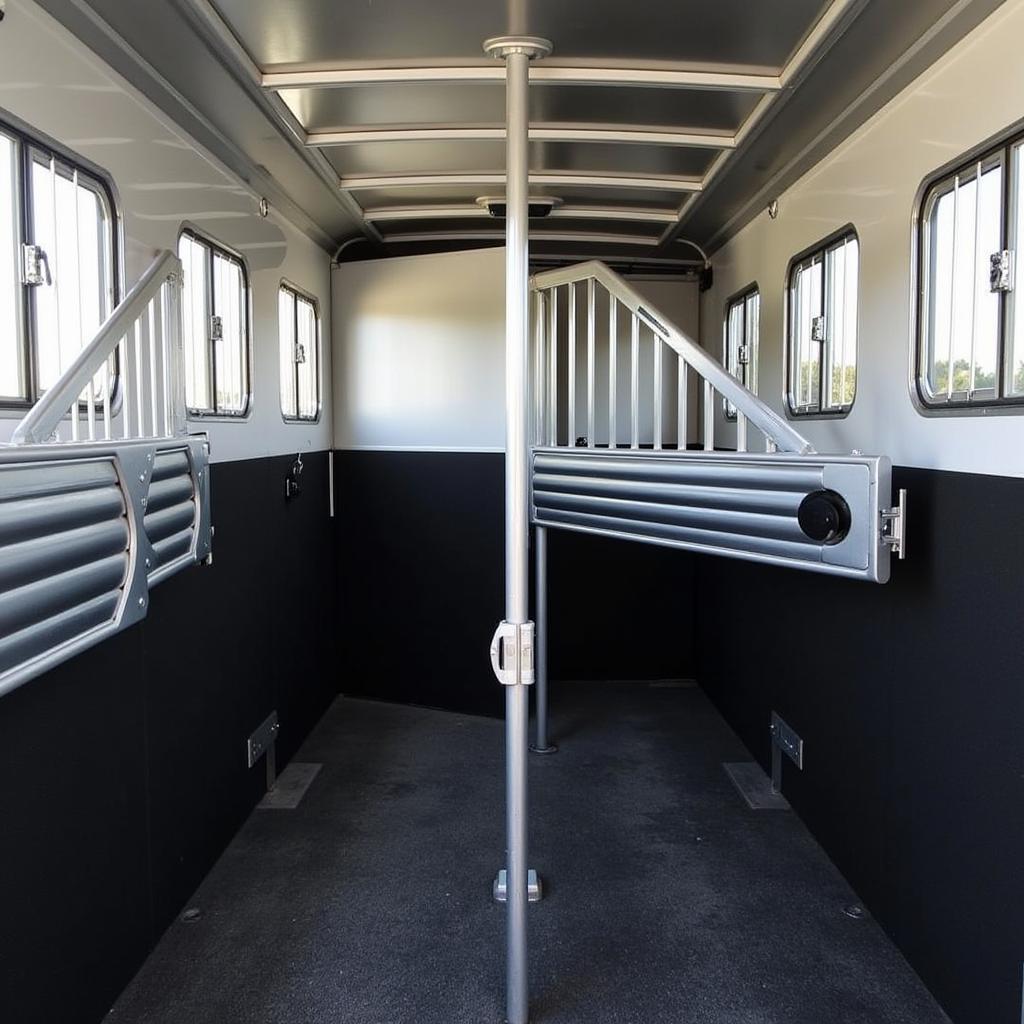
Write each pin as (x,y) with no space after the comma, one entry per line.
(894,526)
(512,653)
(35,266)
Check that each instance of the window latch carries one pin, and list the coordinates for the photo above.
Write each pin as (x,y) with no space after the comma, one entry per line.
(35,267)
(743,355)
(817,328)
(1000,271)
(216,328)
(299,353)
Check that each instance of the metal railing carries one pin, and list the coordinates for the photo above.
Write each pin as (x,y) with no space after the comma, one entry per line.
(629,398)
(127,383)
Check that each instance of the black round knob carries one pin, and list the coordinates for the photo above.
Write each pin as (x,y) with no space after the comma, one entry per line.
(824,516)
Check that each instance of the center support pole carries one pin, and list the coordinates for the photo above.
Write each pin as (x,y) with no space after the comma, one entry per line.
(517,52)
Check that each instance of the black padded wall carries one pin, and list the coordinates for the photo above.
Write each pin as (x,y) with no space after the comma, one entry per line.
(910,701)
(123,771)
(421,576)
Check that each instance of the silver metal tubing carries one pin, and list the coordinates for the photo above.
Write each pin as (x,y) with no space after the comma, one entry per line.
(541,744)
(709,417)
(952,287)
(553,366)
(741,432)
(613,363)
(591,362)
(682,412)
(658,389)
(571,365)
(517,54)
(634,383)
(974,283)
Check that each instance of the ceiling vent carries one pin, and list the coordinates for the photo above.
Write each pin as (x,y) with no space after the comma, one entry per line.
(538,206)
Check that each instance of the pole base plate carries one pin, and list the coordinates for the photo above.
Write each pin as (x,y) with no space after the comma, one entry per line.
(533,888)
(549,749)
(502,46)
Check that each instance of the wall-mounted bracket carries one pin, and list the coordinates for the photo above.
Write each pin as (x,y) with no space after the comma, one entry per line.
(512,653)
(533,887)
(263,742)
(894,526)
(785,740)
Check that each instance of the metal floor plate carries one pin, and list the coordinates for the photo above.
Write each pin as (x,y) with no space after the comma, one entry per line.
(754,786)
(290,787)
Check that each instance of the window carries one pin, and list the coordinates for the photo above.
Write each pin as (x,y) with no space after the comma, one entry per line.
(300,355)
(821,364)
(215,331)
(57,259)
(970,347)
(742,323)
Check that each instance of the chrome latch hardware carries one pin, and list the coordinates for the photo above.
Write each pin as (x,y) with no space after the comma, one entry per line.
(35,267)
(743,355)
(216,328)
(299,353)
(818,328)
(1000,271)
(894,526)
(512,653)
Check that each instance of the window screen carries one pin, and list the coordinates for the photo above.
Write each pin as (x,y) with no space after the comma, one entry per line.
(742,324)
(215,328)
(299,355)
(822,329)
(57,258)
(970,346)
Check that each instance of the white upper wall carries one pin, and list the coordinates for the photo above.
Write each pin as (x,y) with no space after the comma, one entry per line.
(976,91)
(163,179)
(419,349)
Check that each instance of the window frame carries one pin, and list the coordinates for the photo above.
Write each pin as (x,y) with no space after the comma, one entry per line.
(299,293)
(30,144)
(820,248)
(750,376)
(213,246)
(998,149)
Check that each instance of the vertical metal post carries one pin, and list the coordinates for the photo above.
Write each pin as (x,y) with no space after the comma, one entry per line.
(516,53)
(541,743)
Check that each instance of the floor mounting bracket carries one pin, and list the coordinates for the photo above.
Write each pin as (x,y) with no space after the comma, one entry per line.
(784,741)
(263,742)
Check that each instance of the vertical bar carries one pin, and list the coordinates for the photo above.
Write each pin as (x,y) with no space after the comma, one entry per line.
(952,287)
(571,365)
(538,404)
(709,417)
(541,744)
(613,369)
(682,412)
(106,380)
(741,431)
(974,279)
(553,368)
(165,316)
(139,406)
(516,519)
(591,360)
(126,391)
(634,393)
(152,369)
(658,388)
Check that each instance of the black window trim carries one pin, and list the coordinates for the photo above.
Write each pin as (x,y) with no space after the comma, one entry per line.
(300,293)
(1001,147)
(822,246)
(216,246)
(30,139)
(739,296)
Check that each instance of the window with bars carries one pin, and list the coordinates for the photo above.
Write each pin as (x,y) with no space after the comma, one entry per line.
(299,325)
(821,341)
(970,346)
(742,324)
(58,251)
(215,328)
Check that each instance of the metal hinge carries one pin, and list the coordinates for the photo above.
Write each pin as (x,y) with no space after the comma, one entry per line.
(35,267)
(817,328)
(512,653)
(216,328)
(1000,271)
(894,526)
(299,353)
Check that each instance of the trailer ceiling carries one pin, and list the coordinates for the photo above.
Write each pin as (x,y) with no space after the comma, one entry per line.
(651,122)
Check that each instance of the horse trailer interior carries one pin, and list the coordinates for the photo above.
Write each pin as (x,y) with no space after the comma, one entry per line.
(507,512)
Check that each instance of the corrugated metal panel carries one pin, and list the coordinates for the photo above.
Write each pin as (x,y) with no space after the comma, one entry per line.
(171,509)
(64,554)
(741,506)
